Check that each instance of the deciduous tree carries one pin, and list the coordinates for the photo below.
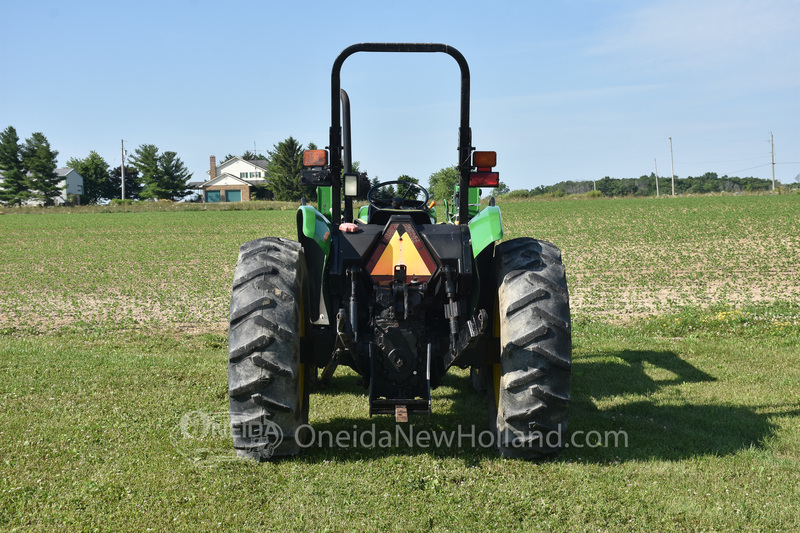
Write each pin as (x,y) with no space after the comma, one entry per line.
(133,183)
(442,183)
(402,188)
(96,176)
(501,188)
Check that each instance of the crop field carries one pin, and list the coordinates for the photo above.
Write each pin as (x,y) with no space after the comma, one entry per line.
(685,405)
(624,258)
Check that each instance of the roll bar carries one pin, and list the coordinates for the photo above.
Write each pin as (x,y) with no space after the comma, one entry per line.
(464,133)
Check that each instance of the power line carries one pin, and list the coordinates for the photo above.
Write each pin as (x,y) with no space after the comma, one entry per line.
(751,168)
(720,161)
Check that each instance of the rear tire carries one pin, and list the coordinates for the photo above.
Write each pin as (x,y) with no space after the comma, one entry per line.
(267,383)
(529,390)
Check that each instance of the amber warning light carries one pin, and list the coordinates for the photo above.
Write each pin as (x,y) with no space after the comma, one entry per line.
(315,158)
(484,160)
(484,177)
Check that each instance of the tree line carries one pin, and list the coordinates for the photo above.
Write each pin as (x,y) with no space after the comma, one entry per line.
(29,173)
(710,182)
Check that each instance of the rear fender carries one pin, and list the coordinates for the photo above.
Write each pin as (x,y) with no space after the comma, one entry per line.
(314,233)
(325,201)
(485,228)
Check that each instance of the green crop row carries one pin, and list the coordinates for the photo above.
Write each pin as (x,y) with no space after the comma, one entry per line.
(625,258)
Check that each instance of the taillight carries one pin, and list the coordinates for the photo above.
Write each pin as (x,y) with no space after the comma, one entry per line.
(484,179)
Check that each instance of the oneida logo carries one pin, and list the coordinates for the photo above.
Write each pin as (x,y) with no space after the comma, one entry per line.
(205,438)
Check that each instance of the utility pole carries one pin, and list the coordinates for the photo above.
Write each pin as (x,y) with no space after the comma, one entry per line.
(672,166)
(656,164)
(122,169)
(772,146)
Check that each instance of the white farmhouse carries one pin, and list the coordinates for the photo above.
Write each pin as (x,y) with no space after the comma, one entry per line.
(232,180)
(71,183)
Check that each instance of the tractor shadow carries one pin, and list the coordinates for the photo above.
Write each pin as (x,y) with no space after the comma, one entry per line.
(627,405)
(647,413)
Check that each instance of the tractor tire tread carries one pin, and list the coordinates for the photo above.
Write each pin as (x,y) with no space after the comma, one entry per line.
(535,349)
(264,378)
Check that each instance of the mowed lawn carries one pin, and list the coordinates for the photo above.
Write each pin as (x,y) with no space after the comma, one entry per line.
(685,404)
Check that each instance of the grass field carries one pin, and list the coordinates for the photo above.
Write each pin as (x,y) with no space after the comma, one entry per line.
(686,341)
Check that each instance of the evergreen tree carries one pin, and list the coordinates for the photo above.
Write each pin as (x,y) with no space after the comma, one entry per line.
(96,176)
(14,187)
(145,160)
(164,176)
(383,193)
(247,156)
(386,193)
(40,162)
(283,170)
(174,176)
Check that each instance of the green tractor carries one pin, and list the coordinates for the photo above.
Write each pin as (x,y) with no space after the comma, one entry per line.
(400,299)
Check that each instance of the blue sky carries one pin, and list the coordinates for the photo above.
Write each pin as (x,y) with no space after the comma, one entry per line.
(560,89)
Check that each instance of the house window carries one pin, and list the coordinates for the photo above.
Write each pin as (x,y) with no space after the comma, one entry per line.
(243,175)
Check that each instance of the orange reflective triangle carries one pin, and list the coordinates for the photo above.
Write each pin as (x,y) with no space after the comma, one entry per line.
(400,251)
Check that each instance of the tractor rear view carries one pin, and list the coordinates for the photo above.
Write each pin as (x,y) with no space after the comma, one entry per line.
(400,299)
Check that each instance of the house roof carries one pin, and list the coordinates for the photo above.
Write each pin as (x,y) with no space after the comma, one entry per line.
(223,177)
(258,163)
(62,172)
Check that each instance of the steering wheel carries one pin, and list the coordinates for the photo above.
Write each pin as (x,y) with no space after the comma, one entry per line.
(398,202)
